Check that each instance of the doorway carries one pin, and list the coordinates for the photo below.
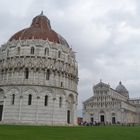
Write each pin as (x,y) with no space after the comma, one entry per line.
(113,120)
(92,119)
(70,109)
(102,118)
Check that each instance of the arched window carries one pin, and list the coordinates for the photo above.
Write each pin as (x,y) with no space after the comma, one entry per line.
(60,102)
(13,99)
(18,50)
(32,50)
(29,99)
(59,54)
(26,73)
(48,75)
(46,51)
(46,101)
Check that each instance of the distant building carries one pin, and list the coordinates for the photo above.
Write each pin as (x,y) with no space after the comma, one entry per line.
(38,77)
(111,106)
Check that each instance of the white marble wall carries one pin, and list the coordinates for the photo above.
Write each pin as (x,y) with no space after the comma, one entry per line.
(37,112)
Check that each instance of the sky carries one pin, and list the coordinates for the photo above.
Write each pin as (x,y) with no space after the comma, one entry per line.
(105,34)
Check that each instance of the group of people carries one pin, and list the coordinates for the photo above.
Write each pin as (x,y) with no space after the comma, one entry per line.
(103,123)
(91,123)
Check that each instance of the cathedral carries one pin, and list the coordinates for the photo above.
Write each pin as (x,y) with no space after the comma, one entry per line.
(38,77)
(111,106)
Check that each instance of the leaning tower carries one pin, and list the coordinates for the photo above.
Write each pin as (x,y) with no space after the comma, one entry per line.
(38,77)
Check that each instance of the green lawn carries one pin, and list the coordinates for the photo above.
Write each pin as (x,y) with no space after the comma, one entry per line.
(11,132)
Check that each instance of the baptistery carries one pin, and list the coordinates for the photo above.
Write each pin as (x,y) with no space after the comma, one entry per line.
(38,77)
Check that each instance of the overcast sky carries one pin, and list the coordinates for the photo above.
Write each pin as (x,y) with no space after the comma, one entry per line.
(104,33)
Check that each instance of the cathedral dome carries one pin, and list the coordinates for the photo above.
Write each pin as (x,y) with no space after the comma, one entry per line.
(121,88)
(39,29)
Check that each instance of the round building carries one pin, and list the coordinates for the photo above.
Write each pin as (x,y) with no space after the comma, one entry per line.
(38,77)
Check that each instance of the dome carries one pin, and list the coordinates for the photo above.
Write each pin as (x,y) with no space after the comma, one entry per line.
(39,29)
(121,88)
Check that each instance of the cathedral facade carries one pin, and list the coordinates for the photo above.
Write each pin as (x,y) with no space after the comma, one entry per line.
(111,106)
(38,77)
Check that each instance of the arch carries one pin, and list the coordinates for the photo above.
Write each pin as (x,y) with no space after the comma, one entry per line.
(102,112)
(113,114)
(1,90)
(113,118)
(31,91)
(102,116)
(70,98)
(12,95)
(33,96)
(70,109)
(30,64)
(46,52)
(12,90)
(32,50)
(45,93)
(19,64)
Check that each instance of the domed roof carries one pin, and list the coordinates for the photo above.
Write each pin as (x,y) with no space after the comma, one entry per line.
(121,88)
(39,29)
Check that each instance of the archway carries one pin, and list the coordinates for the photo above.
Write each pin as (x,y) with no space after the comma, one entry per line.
(70,111)
(1,102)
(102,116)
(113,118)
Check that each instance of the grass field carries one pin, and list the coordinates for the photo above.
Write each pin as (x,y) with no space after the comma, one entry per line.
(10,132)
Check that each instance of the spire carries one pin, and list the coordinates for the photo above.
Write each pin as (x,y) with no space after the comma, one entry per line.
(120,82)
(41,13)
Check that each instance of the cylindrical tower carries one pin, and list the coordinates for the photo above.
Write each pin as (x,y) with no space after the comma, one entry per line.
(38,77)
